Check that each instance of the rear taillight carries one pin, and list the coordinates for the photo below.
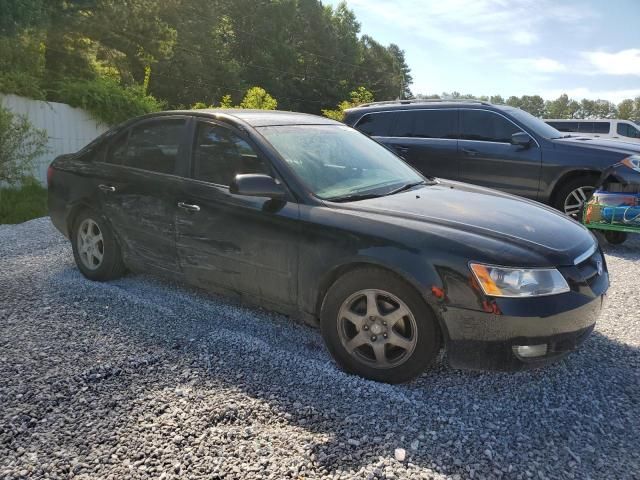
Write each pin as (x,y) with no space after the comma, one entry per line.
(49,175)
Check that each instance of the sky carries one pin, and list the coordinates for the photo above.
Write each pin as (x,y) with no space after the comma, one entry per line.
(585,48)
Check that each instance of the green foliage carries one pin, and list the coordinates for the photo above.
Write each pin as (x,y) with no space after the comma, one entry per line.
(258,98)
(626,109)
(19,204)
(106,99)
(200,106)
(226,102)
(20,145)
(357,97)
(307,55)
(22,66)
(16,15)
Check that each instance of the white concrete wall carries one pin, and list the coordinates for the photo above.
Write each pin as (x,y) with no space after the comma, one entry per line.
(69,128)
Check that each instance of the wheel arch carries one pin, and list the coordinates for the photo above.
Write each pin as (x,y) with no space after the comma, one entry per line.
(570,176)
(333,274)
(85,204)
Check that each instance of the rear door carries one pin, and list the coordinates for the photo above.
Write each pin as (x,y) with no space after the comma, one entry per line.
(428,140)
(246,245)
(488,158)
(139,195)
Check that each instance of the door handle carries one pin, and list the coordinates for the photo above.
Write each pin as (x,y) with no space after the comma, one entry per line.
(189,207)
(107,188)
(402,149)
(470,152)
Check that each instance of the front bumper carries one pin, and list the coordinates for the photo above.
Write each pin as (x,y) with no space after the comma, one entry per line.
(486,341)
(557,324)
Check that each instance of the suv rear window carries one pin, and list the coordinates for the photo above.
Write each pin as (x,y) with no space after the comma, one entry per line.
(565,126)
(376,124)
(433,123)
(593,127)
(486,126)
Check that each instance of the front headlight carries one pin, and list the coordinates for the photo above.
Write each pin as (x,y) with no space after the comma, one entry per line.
(518,282)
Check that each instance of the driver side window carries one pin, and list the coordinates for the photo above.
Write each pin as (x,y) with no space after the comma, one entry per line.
(219,155)
(482,125)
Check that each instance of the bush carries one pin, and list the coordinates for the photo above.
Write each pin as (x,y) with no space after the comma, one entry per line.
(106,99)
(20,144)
(257,98)
(359,96)
(18,205)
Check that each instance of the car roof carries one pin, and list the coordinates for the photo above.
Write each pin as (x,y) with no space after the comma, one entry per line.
(257,118)
(419,104)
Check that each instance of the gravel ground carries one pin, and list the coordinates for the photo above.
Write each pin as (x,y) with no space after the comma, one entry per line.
(141,378)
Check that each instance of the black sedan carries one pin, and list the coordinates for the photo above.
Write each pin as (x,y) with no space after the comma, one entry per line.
(311,218)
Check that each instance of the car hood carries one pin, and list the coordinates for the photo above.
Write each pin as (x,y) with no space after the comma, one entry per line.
(599,144)
(481,211)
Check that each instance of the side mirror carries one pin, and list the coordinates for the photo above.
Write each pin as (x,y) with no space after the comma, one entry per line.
(521,138)
(257,185)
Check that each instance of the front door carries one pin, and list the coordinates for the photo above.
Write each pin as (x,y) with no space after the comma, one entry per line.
(488,158)
(139,196)
(246,245)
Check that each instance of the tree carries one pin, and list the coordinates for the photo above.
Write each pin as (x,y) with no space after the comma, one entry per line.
(20,145)
(514,101)
(497,99)
(562,107)
(626,109)
(258,98)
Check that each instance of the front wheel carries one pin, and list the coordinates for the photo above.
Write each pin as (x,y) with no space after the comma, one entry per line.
(572,196)
(377,326)
(95,249)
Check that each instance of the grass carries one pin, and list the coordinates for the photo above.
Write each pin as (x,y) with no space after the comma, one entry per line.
(19,204)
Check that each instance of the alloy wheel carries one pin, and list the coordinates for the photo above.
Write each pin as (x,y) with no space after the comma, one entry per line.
(90,244)
(576,199)
(377,328)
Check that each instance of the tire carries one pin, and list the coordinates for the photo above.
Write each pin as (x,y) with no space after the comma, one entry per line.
(564,194)
(103,261)
(614,237)
(402,328)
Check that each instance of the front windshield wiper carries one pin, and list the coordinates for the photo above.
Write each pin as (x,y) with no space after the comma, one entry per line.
(352,197)
(407,187)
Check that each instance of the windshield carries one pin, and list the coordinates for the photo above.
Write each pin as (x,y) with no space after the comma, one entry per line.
(537,125)
(336,161)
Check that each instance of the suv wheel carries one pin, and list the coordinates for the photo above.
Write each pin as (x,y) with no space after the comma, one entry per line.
(572,196)
(377,326)
(95,249)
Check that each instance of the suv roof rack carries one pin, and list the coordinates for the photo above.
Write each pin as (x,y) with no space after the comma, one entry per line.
(423,100)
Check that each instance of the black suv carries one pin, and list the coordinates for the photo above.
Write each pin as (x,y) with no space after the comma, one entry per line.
(495,146)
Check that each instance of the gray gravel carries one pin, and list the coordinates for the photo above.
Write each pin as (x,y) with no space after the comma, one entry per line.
(141,378)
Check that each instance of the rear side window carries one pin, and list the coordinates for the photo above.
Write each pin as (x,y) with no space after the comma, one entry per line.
(565,126)
(376,124)
(627,130)
(486,126)
(593,127)
(151,146)
(220,154)
(427,124)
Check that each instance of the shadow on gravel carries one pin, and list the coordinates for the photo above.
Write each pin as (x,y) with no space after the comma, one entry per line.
(629,250)
(575,419)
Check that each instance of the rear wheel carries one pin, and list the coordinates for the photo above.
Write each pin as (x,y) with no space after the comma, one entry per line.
(377,326)
(95,249)
(572,196)
(614,237)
